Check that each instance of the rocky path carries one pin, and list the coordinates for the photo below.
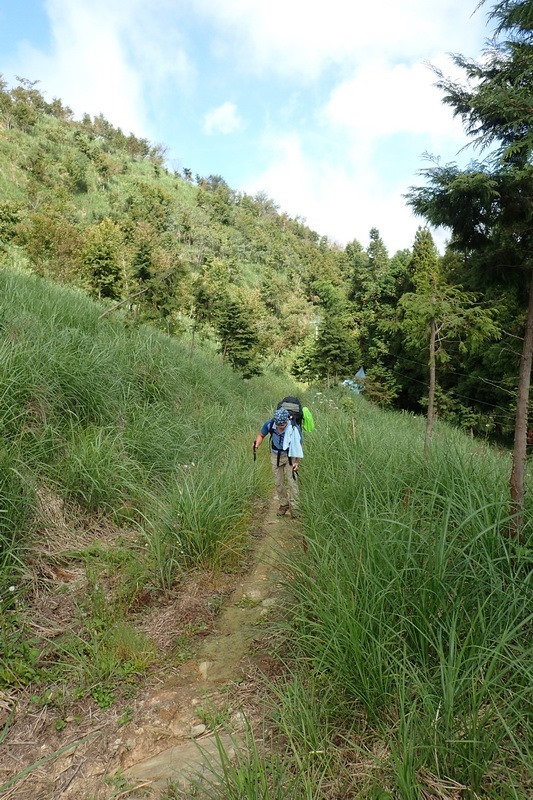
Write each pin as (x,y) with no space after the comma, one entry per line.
(221,663)
(174,726)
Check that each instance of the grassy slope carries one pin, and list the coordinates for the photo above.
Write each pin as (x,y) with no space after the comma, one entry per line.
(110,426)
(412,613)
(411,618)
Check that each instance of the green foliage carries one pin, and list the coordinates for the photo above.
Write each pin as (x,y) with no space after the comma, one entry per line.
(18,652)
(488,207)
(90,206)
(376,287)
(336,353)
(10,216)
(405,595)
(409,628)
(495,103)
(248,776)
(425,263)
(85,204)
(120,425)
(150,204)
(100,259)
(238,335)
(456,313)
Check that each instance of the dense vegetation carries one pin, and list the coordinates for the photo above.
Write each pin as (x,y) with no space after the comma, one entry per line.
(84,204)
(410,631)
(409,612)
(108,427)
(148,319)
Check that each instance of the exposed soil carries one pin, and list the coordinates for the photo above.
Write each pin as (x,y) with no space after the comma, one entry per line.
(167,732)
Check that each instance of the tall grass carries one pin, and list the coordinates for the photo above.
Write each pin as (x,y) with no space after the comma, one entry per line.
(412,602)
(122,425)
(112,416)
(255,771)
(411,608)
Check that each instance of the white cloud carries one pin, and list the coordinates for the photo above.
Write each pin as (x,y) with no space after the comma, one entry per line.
(382,99)
(105,57)
(335,178)
(344,202)
(304,37)
(223,119)
(363,60)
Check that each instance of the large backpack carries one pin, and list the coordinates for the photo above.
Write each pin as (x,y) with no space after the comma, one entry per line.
(294,407)
(299,414)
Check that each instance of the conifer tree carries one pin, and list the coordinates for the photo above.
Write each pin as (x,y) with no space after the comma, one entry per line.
(100,259)
(239,340)
(336,352)
(489,207)
(376,288)
(436,311)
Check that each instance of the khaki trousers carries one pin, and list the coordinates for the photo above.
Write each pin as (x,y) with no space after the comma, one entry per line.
(286,485)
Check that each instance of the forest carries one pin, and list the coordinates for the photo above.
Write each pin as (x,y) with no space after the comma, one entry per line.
(150,320)
(84,204)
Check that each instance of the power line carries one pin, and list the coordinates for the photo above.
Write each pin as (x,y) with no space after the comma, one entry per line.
(457,394)
(455,372)
(505,416)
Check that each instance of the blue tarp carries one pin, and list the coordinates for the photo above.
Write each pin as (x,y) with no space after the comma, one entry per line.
(357,384)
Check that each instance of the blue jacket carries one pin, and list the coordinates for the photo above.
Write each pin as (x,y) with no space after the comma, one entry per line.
(276,439)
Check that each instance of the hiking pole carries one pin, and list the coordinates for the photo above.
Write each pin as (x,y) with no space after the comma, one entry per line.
(255,450)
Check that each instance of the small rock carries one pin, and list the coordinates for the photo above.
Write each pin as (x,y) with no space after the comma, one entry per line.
(198,730)
(203,667)
(238,721)
(177,729)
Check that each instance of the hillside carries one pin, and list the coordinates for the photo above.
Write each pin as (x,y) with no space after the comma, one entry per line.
(398,664)
(119,538)
(82,203)
(86,205)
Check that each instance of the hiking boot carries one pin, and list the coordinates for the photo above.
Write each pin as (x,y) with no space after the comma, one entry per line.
(282,510)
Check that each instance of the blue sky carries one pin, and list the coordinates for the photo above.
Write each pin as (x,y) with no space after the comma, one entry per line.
(327,106)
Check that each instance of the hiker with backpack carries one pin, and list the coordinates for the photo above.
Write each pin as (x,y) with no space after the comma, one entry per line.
(284,429)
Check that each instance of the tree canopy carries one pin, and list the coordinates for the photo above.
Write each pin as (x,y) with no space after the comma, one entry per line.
(489,206)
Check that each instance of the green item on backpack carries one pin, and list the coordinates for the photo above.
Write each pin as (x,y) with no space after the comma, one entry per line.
(308,423)
(294,407)
(298,414)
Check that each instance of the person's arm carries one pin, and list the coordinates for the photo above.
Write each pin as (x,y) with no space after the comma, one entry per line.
(265,430)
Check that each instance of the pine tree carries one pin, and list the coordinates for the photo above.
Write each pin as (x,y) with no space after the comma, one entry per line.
(100,259)
(436,312)
(239,341)
(489,207)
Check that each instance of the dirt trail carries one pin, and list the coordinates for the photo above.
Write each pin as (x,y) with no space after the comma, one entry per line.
(222,659)
(168,722)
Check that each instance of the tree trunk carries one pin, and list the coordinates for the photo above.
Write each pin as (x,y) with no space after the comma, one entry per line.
(430,420)
(122,302)
(517,483)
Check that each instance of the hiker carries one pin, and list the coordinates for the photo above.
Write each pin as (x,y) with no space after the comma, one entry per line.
(285,455)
